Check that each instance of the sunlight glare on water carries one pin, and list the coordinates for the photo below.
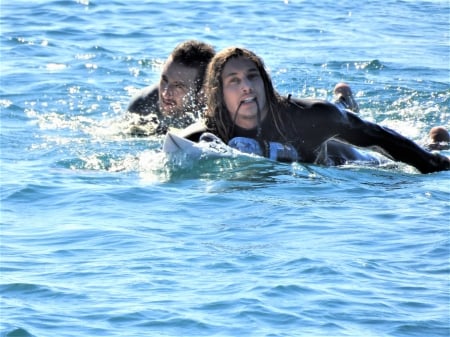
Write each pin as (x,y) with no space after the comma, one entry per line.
(105,235)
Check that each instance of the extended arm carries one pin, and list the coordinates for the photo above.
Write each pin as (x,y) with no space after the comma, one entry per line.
(390,143)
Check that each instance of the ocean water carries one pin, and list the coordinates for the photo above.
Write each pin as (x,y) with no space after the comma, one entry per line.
(102,235)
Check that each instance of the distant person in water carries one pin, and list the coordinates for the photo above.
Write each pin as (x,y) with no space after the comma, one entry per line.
(178,97)
(343,97)
(439,139)
(246,112)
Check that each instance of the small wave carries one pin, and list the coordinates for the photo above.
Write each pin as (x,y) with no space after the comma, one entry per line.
(369,65)
(290,290)
(101,162)
(18,332)
(357,65)
(179,325)
(30,290)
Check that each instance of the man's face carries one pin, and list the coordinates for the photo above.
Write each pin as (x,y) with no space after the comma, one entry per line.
(177,89)
(243,92)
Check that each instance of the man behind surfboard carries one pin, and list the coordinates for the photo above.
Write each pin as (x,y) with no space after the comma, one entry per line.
(179,95)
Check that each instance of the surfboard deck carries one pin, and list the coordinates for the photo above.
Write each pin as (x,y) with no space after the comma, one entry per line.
(209,145)
(175,143)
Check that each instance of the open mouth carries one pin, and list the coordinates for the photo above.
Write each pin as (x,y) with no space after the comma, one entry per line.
(248,100)
(168,104)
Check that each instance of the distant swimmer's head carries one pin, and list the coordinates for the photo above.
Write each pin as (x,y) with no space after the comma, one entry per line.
(439,138)
(181,83)
(343,94)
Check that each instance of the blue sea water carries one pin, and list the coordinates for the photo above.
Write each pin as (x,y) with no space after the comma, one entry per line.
(102,235)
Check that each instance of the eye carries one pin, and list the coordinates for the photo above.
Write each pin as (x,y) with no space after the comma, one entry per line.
(253,76)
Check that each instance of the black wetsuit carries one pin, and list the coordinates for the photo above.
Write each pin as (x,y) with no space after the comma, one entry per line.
(145,102)
(309,124)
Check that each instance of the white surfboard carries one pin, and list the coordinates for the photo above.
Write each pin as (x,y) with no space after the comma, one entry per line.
(174,143)
(209,145)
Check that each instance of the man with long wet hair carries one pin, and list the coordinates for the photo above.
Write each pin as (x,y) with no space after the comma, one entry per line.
(246,112)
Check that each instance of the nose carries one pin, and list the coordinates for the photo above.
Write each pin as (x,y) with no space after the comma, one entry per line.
(167,91)
(247,85)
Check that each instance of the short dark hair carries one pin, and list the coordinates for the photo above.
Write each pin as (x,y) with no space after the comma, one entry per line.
(194,54)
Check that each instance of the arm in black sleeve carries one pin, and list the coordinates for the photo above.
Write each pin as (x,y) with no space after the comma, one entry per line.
(390,143)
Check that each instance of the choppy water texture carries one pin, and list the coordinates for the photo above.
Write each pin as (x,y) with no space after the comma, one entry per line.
(101,235)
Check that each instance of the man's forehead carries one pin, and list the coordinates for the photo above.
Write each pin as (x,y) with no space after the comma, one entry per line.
(178,72)
(239,64)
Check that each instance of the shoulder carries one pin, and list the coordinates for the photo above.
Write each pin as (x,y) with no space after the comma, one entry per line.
(318,120)
(311,103)
(313,108)
(145,101)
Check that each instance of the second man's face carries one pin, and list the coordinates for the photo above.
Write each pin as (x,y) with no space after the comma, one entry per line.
(177,89)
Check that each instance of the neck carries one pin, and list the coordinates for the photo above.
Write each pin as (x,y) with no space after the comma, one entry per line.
(247,123)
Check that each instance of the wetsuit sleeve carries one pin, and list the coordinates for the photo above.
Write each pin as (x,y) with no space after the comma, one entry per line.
(145,102)
(390,143)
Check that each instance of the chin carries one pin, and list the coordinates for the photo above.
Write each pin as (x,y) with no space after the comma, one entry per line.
(170,111)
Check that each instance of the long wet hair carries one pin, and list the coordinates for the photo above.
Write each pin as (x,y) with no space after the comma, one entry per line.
(218,116)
